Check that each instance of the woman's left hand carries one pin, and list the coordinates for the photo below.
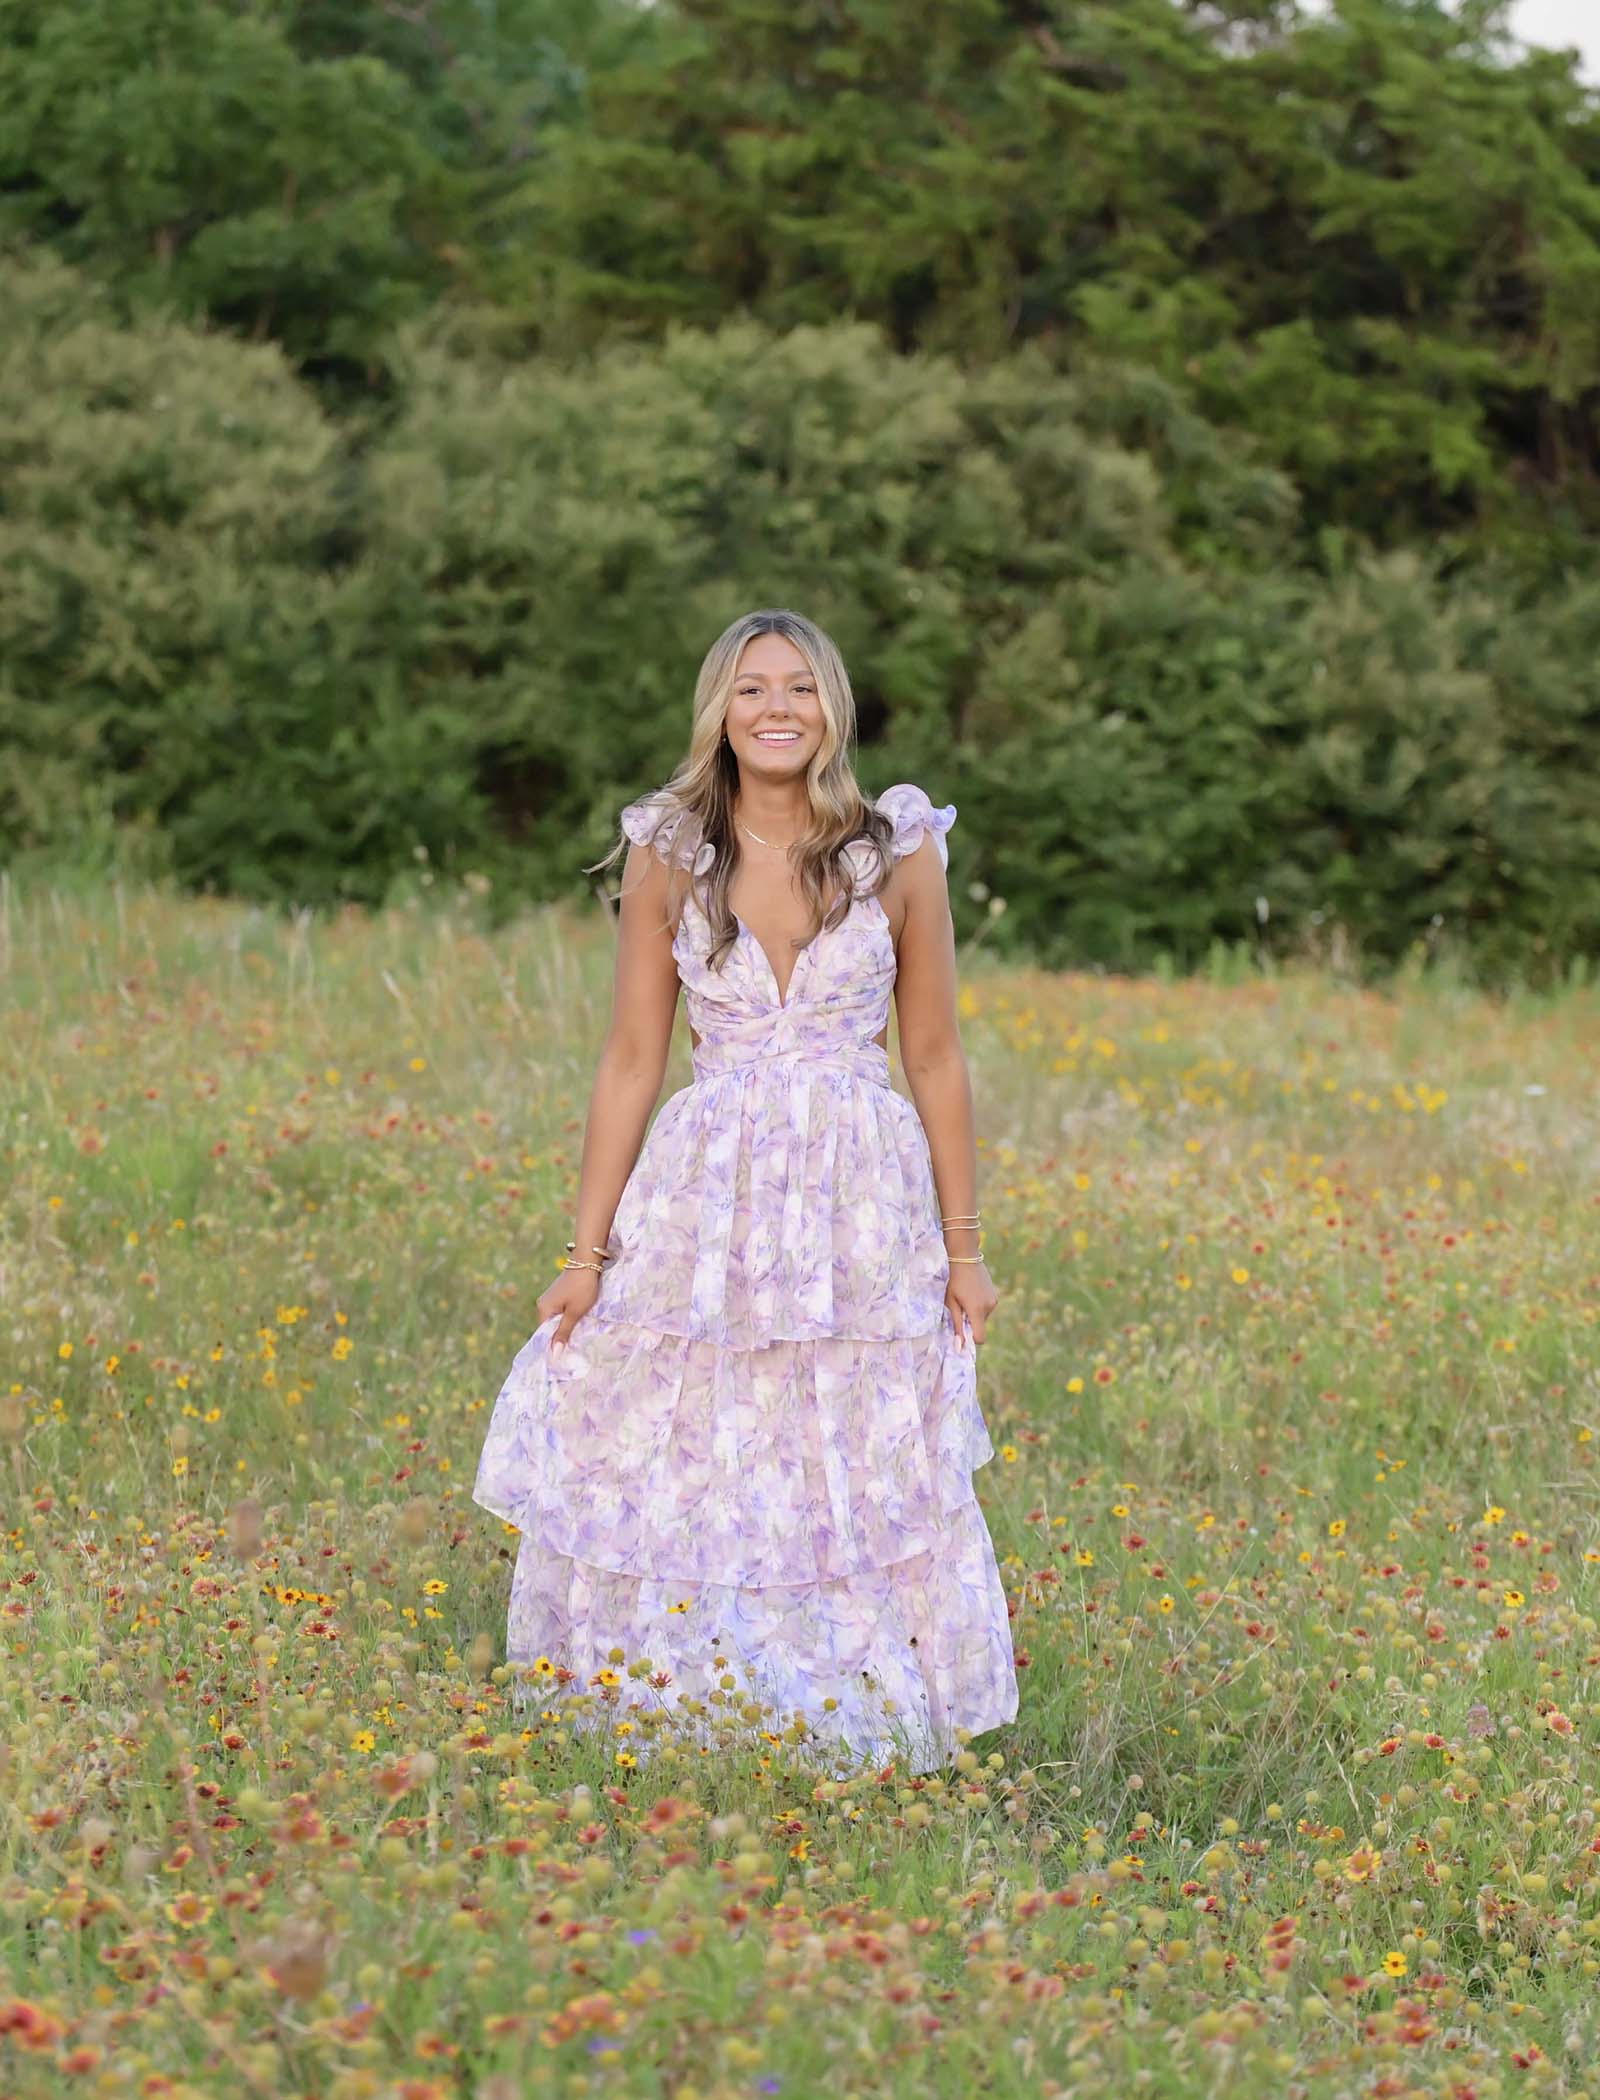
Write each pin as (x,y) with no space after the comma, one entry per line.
(970,1297)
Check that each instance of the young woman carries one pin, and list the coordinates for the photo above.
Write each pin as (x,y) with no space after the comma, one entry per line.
(741,1440)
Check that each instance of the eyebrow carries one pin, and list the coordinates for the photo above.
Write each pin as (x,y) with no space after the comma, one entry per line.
(743,675)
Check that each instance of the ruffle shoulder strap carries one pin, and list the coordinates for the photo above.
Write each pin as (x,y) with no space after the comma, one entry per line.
(658,819)
(911,812)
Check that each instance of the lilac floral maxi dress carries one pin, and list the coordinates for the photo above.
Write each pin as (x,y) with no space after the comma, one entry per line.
(758,1446)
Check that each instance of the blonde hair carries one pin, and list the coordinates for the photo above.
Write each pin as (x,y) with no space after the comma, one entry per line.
(697,802)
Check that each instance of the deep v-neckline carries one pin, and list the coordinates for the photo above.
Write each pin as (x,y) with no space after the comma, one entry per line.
(780,993)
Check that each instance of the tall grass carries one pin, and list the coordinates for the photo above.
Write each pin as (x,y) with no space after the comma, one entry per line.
(1294,1383)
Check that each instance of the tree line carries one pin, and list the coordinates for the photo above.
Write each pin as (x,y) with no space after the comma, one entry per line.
(1185,416)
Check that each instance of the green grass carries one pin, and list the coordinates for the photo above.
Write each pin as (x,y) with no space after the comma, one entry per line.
(1295,1379)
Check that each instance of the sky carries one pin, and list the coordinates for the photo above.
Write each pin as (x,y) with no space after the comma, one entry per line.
(1560,23)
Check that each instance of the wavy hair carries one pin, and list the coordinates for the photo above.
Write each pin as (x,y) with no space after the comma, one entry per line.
(697,802)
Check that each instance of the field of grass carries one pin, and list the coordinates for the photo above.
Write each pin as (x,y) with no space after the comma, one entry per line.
(1294,1382)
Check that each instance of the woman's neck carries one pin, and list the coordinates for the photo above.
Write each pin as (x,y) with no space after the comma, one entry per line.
(772,809)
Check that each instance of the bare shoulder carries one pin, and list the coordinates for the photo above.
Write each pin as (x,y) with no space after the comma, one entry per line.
(917,892)
(646,905)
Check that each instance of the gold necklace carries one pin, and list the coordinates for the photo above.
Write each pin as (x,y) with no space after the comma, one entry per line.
(760,841)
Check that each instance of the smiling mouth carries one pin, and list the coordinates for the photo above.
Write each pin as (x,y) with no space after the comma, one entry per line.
(777,736)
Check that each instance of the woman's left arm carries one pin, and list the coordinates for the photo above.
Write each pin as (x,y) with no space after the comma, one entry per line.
(935,1066)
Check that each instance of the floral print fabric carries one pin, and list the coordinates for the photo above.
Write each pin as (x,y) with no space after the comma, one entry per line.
(756,1451)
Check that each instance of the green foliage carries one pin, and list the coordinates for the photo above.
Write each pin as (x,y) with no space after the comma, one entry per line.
(178,649)
(298,655)
(1390,760)
(1277,219)
(1360,236)
(569,539)
(186,150)
(293,170)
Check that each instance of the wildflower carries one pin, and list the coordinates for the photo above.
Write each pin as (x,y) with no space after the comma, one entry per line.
(434,1587)
(28,2026)
(1336,1528)
(668,1810)
(1395,1963)
(1494,1515)
(364,1740)
(1514,1599)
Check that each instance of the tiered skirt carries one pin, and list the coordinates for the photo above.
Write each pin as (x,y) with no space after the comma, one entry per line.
(755,1455)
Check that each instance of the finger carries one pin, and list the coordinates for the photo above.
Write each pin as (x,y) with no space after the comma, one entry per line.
(978,1330)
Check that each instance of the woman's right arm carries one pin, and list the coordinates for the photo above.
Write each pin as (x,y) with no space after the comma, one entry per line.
(628,1076)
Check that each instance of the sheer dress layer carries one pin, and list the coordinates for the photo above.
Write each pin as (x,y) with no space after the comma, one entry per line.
(758,1446)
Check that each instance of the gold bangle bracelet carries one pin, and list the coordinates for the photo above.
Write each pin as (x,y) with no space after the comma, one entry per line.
(597,1266)
(963,1257)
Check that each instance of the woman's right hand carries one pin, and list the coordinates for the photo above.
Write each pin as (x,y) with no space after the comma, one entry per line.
(571,1295)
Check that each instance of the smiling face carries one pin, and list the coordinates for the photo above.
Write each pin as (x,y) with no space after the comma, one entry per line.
(775,721)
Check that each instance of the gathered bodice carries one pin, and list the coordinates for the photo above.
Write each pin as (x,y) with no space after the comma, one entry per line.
(837,1000)
(837,1003)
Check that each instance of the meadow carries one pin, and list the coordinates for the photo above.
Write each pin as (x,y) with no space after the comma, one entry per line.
(1294,1391)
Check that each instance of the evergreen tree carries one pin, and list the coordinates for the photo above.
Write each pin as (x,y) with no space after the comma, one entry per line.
(1361,236)
(305,172)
